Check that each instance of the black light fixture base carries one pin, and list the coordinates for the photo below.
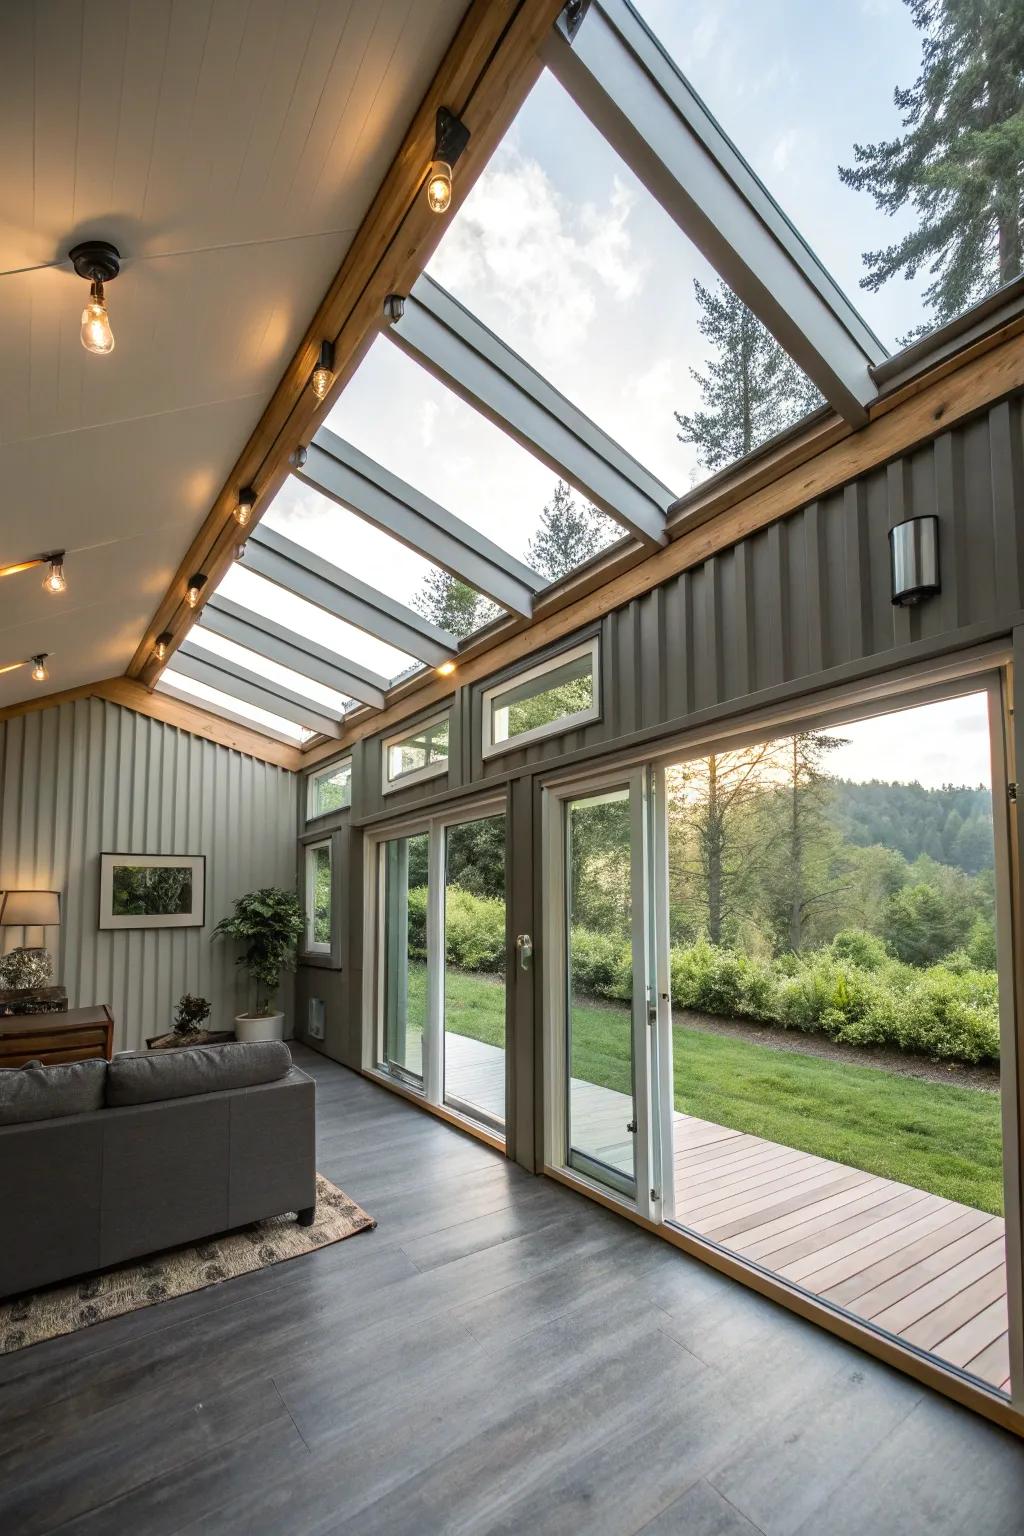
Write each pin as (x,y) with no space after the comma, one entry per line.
(452,136)
(96,260)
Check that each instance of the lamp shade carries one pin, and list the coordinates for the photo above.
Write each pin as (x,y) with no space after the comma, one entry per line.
(29,909)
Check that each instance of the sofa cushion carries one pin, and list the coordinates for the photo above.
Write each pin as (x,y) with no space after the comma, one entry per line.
(35,1092)
(178,1074)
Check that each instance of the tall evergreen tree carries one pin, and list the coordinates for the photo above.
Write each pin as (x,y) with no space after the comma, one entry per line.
(570,531)
(960,162)
(751,388)
(810,866)
(453,604)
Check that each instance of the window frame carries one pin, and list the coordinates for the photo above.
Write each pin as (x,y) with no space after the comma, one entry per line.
(312,780)
(311,949)
(390,785)
(491,748)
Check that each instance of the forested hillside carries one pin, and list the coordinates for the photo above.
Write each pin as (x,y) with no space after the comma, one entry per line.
(952,825)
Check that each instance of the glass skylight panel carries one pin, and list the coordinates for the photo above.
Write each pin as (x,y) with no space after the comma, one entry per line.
(308,687)
(563,253)
(226,704)
(319,524)
(345,640)
(405,419)
(796,86)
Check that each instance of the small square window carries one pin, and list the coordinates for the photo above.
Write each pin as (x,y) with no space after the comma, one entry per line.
(555,696)
(329,790)
(319,898)
(421,753)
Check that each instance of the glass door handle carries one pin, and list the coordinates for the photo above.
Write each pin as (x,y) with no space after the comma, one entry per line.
(524,950)
(631,1127)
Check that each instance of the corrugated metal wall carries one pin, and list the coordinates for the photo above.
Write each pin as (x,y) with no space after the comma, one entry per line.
(90,777)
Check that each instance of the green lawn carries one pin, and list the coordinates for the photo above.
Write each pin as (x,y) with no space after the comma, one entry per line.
(935,1136)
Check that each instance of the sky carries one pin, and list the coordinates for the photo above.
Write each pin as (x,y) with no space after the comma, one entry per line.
(934,744)
(566,256)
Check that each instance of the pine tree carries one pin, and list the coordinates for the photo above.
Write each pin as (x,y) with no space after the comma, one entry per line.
(751,388)
(960,162)
(570,531)
(452,604)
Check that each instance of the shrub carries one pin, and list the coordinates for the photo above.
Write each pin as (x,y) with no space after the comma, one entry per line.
(865,949)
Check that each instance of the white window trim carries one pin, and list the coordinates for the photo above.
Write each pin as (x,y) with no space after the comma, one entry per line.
(310,946)
(591,648)
(415,775)
(313,778)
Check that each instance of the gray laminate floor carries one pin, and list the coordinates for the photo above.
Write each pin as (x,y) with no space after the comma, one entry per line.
(500,1355)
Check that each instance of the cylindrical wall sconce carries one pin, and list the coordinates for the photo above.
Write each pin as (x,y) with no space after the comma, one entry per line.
(914,560)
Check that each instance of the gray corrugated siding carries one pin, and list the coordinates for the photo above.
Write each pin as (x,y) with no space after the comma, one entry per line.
(90,777)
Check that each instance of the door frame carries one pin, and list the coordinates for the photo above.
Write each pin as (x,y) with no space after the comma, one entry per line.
(435,825)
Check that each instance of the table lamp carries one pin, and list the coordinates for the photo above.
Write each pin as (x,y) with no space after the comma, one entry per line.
(28,966)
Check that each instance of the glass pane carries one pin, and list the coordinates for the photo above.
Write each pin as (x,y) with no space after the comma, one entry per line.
(374,557)
(427,748)
(331,791)
(956,211)
(836,1020)
(453,454)
(565,690)
(405,952)
(318,895)
(226,704)
(474,978)
(347,642)
(307,687)
(566,256)
(600,980)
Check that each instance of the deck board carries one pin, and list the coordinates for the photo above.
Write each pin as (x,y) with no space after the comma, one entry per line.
(926,1269)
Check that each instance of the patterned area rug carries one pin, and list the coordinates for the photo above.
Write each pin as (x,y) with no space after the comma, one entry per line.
(76,1304)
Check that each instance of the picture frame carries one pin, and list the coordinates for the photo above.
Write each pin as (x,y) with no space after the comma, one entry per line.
(142,890)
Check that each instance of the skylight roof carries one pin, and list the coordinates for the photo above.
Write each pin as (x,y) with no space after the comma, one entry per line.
(307,687)
(176,684)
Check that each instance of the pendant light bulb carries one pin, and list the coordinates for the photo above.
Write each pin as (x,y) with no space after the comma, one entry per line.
(55,581)
(162,646)
(439,186)
(196,584)
(322,376)
(96,333)
(39,671)
(243,507)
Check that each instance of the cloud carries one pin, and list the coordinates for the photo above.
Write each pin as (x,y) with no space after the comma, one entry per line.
(546,265)
(782,150)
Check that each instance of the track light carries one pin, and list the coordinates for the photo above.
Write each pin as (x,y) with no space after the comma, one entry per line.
(196,584)
(244,505)
(163,645)
(451,138)
(98,262)
(55,580)
(323,374)
(39,671)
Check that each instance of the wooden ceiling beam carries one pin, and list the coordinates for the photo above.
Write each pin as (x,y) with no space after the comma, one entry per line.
(484,78)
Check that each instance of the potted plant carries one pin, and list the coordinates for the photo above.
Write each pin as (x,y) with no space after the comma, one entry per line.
(269,923)
(187,1029)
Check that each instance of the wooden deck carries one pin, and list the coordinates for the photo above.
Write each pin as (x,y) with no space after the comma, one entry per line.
(923,1268)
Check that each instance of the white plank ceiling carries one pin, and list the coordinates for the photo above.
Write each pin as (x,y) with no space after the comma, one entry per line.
(229,149)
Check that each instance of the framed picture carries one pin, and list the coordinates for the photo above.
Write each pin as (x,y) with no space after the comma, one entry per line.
(152,890)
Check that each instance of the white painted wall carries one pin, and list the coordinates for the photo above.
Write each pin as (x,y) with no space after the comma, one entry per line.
(89,777)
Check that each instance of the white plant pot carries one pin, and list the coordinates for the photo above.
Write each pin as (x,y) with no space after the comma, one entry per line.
(269,1027)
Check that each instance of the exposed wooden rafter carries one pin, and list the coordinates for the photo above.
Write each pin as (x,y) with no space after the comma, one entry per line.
(485,76)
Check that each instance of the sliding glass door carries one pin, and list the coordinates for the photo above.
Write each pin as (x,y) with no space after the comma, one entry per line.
(474,968)
(814,1069)
(436,961)
(601,994)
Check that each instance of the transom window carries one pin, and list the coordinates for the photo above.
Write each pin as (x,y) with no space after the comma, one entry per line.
(330,790)
(418,754)
(554,696)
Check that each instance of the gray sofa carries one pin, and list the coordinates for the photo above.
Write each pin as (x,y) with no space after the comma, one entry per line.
(106,1161)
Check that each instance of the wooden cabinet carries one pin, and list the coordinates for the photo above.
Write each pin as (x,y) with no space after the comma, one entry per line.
(80,1034)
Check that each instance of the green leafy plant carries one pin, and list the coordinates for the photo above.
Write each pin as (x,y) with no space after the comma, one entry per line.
(269,923)
(191,1014)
